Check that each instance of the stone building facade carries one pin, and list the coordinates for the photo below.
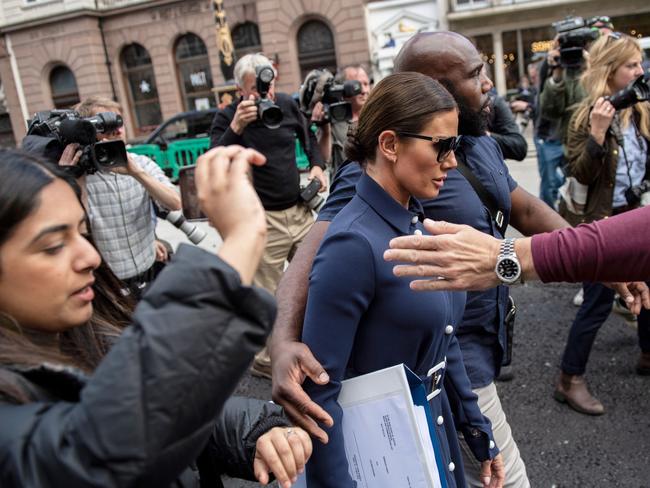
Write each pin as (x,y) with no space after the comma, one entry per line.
(510,33)
(160,57)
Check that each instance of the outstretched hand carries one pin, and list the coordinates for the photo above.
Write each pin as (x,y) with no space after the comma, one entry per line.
(635,294)
(453,257)
(227,197)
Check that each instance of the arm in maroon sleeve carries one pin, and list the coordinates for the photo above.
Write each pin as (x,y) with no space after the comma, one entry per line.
(613,249)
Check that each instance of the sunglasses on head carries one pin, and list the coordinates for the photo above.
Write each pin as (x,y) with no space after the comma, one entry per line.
(600,21)
(443,146)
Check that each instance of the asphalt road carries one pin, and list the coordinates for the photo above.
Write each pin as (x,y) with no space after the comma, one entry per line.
(562,448)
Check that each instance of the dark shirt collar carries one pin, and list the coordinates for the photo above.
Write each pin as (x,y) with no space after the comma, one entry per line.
(387,207)
(469,141)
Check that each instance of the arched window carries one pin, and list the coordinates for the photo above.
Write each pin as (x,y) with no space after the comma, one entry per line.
(246,39)
(315,47)
(193,67)
(138,70)
(64,89)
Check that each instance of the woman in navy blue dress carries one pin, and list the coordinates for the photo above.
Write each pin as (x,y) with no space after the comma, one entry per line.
(360,317)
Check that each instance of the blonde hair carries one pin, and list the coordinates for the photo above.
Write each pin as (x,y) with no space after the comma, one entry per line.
(606,55)
(88,107)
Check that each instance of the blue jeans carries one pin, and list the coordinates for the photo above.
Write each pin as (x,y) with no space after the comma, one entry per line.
(549,160)
(594,311)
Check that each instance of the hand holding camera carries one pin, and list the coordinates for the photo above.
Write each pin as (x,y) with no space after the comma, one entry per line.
(575,34)
(64,133)
(600,119)
(320,87)
(224,190)
(71,155)
(259,106)
(228,198)
(245,114)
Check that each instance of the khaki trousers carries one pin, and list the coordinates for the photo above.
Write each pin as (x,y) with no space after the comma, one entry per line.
(285,231)
(490,405)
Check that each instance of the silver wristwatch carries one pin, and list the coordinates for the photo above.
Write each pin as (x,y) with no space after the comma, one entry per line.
(508,268)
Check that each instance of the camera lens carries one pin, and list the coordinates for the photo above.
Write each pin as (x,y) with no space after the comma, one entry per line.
(270,114)
(340,111)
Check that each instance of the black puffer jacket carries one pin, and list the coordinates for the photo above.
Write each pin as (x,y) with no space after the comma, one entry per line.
(153,405)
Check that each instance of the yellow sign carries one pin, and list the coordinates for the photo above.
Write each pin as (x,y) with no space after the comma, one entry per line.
(541,46)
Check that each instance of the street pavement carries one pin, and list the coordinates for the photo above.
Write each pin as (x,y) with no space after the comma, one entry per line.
(561,448)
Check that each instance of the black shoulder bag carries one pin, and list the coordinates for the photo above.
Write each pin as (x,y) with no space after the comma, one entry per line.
(498,218)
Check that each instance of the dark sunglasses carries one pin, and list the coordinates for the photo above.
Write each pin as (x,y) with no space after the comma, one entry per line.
(443,146)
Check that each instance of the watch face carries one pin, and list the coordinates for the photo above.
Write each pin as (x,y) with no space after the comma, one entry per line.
(508,269)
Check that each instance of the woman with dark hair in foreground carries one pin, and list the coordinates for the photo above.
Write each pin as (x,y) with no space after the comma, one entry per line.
(86,400)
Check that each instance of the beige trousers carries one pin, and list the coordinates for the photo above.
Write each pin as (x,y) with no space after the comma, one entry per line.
(285,231)
(490,405)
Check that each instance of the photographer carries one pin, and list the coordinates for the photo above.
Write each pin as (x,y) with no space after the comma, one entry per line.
(607,152)
(547,137)
(332,137)
(120,206)
(565,63)
(277,183)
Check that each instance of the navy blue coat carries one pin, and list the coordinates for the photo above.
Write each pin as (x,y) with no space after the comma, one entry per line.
(481,333)
(361,318)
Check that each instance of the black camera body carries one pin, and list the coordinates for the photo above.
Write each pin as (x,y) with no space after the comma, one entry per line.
(58,128)
(267,112)
(310,197)
(574,37)
(637,91)
(320,86)
(638,195)
(334,107)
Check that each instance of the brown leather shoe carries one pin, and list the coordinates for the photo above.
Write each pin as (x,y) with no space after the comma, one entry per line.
(643,366)
(572,389)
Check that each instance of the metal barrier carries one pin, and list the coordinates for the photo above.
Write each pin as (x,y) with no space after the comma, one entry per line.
(185,153)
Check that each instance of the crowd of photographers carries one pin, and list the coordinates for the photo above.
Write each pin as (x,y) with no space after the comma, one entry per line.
(592,136)
(588,102)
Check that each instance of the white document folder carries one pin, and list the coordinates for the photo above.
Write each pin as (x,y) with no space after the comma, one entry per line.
(388,431)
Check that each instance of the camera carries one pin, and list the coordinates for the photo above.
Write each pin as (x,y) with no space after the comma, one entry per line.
(637,91)
(192,231)
(574,37)
(638,195)
(320,86)
(310,197)
(267,112)
(49,132)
